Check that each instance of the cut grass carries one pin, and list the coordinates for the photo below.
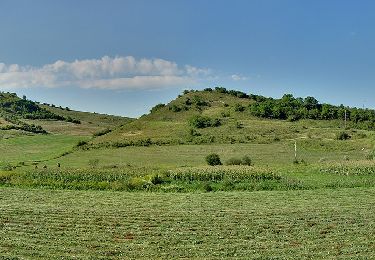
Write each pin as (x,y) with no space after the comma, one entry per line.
(30,148)
(275,154)
(330,224)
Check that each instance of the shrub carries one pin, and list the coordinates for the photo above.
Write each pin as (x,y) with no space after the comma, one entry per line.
(157,107)
(203,122)
(239,108)
(343,136)
(233,161)
(175,108)
(81,143)
(246,160)
(102,132)
(213,159)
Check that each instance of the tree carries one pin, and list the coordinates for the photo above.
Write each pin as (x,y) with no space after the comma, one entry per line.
(213,159)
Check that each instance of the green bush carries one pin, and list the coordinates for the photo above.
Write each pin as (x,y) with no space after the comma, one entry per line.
(204,121)
(213,159)
(102,132)
(157,107)
(246,160)
(239,108)
(343,136)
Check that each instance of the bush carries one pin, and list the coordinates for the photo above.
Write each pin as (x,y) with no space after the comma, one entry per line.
(81,143)
(343,136)
(239,108)
(102,132)
(203,122)
(157,107)
(233,161)
(213,159)
(246,160)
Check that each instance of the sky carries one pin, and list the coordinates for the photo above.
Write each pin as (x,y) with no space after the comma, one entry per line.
(123,57)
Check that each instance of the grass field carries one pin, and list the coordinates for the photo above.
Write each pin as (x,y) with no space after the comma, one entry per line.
(37,224)
(31,148)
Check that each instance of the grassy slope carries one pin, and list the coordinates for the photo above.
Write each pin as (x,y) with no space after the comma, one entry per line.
(330,224)
(19,146)
(237,127)
(90,122)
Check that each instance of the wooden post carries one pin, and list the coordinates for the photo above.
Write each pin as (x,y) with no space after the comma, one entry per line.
(295,149)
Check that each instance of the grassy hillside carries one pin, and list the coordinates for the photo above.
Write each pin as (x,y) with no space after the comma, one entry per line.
(31,133)
(28,116)
(206,117)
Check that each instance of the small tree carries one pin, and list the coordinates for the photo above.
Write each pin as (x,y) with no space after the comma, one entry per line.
(213,159)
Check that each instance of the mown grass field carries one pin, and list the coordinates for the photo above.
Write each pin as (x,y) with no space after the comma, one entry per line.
(46,224)
(31,148)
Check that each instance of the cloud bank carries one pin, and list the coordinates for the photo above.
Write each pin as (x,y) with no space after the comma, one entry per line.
(105,73)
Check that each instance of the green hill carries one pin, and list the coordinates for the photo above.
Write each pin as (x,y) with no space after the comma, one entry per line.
(19,115)
(226,117)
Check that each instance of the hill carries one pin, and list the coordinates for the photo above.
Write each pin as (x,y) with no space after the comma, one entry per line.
(22,115)
(225,116)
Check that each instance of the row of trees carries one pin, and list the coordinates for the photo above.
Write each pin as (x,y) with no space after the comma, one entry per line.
(293,109)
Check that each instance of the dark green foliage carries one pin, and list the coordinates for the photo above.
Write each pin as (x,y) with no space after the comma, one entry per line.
(292,109)
(81,143)
(213,159)
(157,107)
(343,136)
(239,108)
(72,120)
(235,93)
(199,102)
(203,122)
(221,90)
(175,108)
(207,187)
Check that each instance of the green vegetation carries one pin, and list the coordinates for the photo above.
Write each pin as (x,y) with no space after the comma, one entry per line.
(239,161)
(213,159)
(322,194)
(115,225)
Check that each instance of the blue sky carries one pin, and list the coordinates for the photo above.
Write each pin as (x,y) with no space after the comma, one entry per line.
(123,57)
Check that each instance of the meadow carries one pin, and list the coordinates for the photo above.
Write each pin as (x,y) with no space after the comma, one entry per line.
(40,224)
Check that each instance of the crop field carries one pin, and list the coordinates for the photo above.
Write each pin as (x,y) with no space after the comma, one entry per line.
(37,224)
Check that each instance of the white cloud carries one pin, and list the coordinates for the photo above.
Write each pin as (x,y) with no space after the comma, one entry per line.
(105,73)
(237,77)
